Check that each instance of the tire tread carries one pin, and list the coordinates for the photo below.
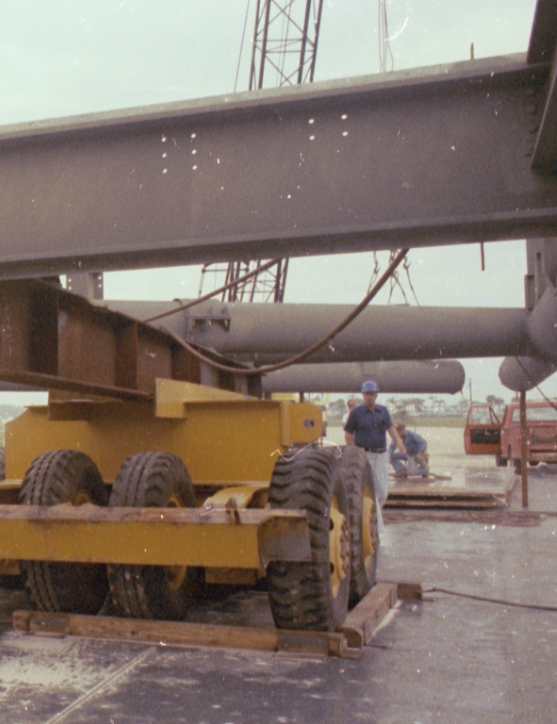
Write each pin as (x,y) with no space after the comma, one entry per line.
(300,593)
(147,480)
(52,478)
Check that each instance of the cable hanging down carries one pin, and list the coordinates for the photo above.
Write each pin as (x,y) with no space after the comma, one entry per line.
(302,355)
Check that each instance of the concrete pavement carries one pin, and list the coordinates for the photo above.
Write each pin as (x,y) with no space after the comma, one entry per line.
(449,658)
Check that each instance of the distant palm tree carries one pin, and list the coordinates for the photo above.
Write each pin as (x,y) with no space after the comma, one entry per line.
(418,405)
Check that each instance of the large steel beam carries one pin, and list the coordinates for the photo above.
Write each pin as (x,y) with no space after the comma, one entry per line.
(428,157)
(543,36)
(542,48)
(521,373)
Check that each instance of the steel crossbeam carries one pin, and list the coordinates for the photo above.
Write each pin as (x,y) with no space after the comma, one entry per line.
(429,157)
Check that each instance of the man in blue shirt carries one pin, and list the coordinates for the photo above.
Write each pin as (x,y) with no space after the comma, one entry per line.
(415,456)
(367,427)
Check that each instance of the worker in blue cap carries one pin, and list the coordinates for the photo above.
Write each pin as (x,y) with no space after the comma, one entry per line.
(367,427)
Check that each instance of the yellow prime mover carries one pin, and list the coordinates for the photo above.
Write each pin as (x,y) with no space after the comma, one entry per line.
(152,475)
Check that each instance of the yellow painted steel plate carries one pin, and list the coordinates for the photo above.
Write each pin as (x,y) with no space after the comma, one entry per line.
(153,536)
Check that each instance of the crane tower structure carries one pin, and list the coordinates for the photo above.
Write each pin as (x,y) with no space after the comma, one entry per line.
(284,51)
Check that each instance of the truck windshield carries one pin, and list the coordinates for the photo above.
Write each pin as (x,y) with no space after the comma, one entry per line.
(537,414)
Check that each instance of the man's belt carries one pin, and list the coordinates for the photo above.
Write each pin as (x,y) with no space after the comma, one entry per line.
(370,449)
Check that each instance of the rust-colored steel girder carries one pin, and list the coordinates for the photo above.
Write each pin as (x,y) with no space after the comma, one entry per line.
(427,157)
(52,339)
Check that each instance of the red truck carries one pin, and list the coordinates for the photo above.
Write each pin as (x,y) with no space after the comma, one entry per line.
(485,434)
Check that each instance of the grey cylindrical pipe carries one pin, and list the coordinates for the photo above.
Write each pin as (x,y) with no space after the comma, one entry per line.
(550,258)
(524,373)
(379,333)
(541,326)
(425,377)
(386,332)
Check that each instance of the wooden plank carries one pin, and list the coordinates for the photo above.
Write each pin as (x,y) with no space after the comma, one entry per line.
(181,633)
(447,504)
(20,620)
(362,621)
(409,591)
(357,631)
(312,642)
(162,632)
(418,479)
(9,491)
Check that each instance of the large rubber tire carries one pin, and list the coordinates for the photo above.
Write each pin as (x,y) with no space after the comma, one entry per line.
(357,478)
(64,476)
(313,595)
(152,480)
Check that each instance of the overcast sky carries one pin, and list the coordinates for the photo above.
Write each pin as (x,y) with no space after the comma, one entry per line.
(67,57)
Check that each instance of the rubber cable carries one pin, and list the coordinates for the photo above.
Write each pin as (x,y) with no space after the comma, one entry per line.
(500,601)
(297,358)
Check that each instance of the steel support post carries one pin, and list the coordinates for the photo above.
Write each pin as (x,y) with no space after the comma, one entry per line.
(523,450)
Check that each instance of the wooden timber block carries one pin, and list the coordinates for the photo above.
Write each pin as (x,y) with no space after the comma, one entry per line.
(312,642)
(20,620)
(181,633)
(430,478)
(43,622)
(362,621)
(409,591)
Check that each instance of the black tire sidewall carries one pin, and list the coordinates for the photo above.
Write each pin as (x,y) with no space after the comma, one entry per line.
(149,480)
(301,594)
(357,477)
(56,477)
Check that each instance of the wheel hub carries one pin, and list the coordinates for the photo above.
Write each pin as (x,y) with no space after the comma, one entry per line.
(339,547)
(369,542)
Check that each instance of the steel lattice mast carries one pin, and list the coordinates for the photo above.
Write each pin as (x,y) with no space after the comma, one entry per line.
(284,51)
(284,43)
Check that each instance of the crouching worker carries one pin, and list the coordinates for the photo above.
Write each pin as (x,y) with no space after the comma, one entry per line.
(415,460)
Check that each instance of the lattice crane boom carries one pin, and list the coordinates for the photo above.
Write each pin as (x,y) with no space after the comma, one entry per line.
(284,51)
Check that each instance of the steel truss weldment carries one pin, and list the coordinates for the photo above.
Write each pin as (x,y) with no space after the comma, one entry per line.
(53,339)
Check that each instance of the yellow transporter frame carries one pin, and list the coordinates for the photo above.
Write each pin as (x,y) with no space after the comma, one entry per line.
(229,444)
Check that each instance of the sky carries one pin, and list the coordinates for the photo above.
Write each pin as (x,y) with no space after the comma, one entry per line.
(68,57)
